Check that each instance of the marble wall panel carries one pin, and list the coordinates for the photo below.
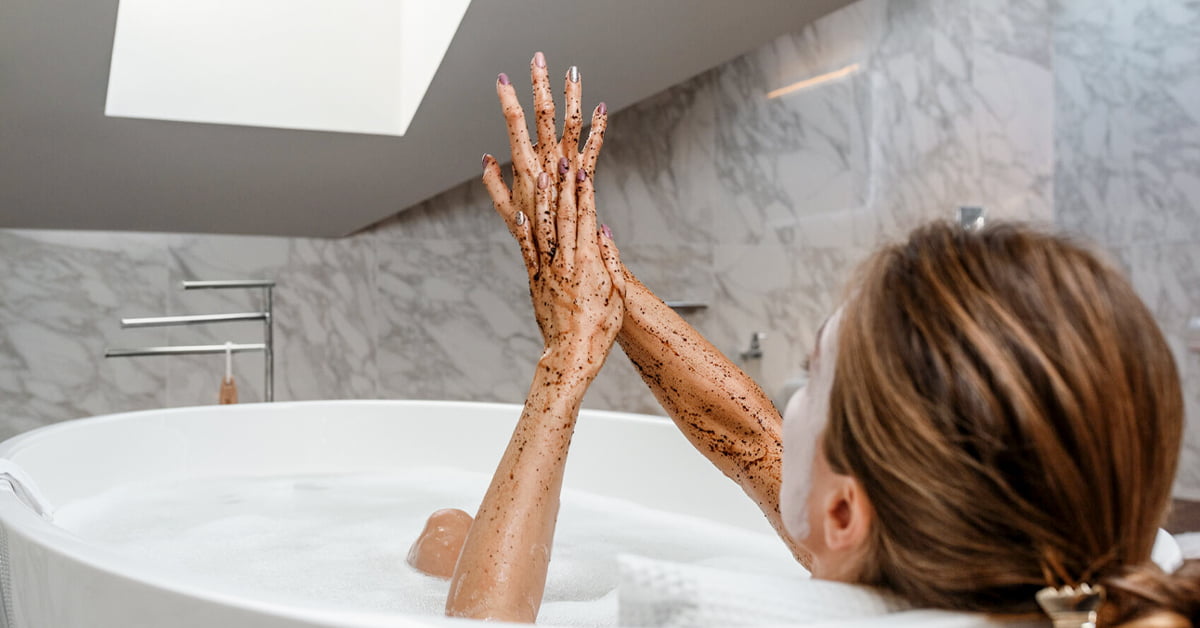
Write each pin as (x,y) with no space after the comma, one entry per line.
(61,298)
(656,180)
(786,160)
(1127,111)
(456,320)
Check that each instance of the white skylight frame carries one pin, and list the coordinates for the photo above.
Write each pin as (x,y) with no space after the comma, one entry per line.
(351,66)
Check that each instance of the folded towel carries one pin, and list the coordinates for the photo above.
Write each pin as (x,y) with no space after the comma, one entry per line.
(661,593)
(22,485)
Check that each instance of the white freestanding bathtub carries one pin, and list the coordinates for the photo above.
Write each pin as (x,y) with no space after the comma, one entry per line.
(51,578)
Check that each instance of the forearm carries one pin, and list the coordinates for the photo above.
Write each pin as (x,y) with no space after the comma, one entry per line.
(501,573)
(720,410)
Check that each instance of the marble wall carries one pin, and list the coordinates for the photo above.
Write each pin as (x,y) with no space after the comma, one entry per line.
(1127,153)
(758,206)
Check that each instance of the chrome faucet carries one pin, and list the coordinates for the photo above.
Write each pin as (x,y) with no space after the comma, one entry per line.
(755,351)
(971,218)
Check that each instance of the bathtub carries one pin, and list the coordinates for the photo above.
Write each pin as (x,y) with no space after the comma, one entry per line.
(53,579)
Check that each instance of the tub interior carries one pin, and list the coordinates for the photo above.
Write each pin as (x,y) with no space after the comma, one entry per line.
(632,461)
(639,458)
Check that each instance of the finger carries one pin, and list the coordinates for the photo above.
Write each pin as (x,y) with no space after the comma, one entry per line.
(591,150)
(543,102)
(524,162)
(523,232)
(493,180)
(612,259)
(566,217)
(572,118)
(544,221)
(585,199)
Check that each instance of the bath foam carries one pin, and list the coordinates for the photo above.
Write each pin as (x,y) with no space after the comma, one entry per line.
(338,542)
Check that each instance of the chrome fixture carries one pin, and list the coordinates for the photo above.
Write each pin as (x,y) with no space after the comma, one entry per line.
(755,351)
(971,218)
(686,305)
(266,316)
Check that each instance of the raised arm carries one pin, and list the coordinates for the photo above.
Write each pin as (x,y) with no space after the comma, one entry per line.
(720,410)
(724,414)
(576,277)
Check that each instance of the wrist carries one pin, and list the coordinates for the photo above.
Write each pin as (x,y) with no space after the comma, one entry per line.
(572,358)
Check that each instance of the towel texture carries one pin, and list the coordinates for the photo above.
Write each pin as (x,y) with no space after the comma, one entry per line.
(660,593)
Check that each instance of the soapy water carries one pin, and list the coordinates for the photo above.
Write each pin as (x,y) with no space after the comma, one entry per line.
(339,542)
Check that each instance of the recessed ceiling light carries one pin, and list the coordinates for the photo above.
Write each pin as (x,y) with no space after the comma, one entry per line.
(352,66)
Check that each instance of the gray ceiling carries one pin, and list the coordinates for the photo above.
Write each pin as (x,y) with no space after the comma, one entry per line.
(64,165)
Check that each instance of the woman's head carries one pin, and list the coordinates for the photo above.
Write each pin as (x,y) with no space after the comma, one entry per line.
(1009,410)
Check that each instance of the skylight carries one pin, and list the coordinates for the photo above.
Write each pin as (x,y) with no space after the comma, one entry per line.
(352,66)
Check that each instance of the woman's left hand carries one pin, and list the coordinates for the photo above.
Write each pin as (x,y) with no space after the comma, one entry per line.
(575,277)
(576,283)
(561,160)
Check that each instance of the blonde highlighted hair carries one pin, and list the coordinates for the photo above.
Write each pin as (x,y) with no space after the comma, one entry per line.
(1014,415)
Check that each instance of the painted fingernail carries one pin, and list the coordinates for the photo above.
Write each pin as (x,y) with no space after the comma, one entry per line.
(606,231)
(573,74)
(601,108)
(543,180)
(486,157)
(503,78)
(563,165)
(581,175)
(520,218)
(539,59)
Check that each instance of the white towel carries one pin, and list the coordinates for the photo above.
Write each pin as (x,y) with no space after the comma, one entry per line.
(660,593)
(21,484)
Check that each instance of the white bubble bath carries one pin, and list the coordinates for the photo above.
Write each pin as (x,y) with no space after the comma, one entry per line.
(338,542)
(295,515)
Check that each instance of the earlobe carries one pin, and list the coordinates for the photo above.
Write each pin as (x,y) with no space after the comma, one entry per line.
(848,516)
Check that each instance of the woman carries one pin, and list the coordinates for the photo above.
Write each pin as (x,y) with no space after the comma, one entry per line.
(988,414)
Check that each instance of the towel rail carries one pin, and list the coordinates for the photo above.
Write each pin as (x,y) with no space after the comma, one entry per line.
(266,316)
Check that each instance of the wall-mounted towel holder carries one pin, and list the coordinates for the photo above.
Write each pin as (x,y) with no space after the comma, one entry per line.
(266,316)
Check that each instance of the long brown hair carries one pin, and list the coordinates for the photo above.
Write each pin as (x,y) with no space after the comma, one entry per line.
(1014,415)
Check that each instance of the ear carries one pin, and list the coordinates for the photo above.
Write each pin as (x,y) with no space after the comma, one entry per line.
(848,515)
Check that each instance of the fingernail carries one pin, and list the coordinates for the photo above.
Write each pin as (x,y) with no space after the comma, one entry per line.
(539,59)
(520,218)
(563,165)
(581,175)
(486,157)
(503,78)
(606,231)
(573,74)
(601,108)
(543,180)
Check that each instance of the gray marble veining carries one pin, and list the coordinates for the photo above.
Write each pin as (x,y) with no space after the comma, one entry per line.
(1127,132)
(61,295)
